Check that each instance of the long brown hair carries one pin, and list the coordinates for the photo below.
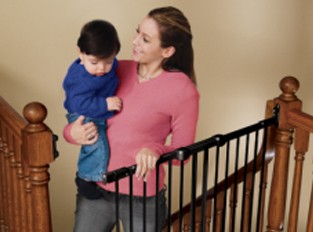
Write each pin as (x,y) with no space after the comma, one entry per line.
(175,31)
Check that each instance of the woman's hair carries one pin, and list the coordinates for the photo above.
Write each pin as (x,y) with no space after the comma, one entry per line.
(175,31)
(99,38)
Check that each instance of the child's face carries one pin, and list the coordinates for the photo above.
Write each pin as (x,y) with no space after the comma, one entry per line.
(95,66)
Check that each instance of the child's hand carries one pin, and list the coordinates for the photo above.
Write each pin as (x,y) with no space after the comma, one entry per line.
(114,103)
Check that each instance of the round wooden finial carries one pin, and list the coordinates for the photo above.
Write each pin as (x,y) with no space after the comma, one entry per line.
(35,113)
(289,85)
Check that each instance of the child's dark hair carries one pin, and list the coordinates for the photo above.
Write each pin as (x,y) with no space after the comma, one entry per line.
(99,38)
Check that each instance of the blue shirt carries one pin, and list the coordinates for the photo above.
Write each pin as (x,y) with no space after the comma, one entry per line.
(86,94)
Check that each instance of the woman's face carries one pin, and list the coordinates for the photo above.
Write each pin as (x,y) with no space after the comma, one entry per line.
(147,45)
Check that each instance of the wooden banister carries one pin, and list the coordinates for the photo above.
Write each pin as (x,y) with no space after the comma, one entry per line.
(26,150)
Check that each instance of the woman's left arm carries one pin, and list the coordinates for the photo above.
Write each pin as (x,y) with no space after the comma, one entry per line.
(183,131)
(183,125)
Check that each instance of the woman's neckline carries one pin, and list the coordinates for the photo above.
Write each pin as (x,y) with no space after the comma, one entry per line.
(143,78)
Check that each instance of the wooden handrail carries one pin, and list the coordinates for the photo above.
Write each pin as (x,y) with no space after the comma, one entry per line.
(299,119)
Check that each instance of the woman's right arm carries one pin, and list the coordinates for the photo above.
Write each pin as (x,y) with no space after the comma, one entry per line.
(80,133)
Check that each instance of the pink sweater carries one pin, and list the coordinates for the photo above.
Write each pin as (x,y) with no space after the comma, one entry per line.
(151,111)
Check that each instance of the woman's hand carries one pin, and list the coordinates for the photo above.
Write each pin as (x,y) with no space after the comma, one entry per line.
(84,134)
(146,161)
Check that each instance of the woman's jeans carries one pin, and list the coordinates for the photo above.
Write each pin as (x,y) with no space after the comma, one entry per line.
(93,159)
(99,215)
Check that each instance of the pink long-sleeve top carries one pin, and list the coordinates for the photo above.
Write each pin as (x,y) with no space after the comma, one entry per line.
(152,110)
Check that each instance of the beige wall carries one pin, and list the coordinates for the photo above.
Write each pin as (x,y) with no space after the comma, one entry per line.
(242,49)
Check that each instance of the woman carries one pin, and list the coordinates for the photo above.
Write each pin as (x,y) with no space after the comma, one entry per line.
(159,98)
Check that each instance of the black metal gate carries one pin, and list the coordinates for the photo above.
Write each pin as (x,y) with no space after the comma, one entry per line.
(222,170)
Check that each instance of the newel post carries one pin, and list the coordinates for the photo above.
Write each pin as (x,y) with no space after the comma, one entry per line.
(283,140)
(37,146)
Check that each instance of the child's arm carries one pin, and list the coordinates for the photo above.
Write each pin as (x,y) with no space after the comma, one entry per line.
(85,101)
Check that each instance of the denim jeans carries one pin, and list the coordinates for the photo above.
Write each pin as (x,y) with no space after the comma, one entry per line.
(93,159)
(99,215)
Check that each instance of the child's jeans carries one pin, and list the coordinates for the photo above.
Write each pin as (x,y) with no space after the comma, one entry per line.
(93,159)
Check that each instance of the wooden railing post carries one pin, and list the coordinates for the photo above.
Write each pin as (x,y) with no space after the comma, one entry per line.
(277,202)
(37,145)
(301,145)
